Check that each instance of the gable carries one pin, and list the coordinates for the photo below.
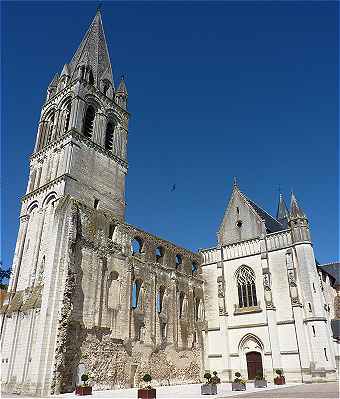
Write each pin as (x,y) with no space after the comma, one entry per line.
(240,221)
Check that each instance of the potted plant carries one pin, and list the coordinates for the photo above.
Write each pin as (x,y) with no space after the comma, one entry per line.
(84,389)
(259,381)
(280,379)
(147,392)
(215,379)
(209,388)
(239,383)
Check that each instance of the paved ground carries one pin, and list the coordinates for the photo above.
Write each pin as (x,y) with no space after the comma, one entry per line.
(192,391)
(306,391)
(292,391)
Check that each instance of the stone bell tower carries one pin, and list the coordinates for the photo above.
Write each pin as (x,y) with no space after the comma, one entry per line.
(80,153)
(81,145)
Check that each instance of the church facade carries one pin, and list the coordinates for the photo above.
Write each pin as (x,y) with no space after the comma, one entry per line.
(90,292)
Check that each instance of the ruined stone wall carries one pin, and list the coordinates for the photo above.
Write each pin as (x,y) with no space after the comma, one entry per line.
(128,311)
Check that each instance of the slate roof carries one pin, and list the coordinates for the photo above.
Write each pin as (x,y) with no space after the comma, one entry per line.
(333,269)
(272,225)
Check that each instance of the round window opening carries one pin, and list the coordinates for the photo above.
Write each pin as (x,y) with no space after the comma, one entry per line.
(239,223)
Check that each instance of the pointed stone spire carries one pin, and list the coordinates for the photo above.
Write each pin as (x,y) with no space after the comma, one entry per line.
(93,52)
(295,210)
(282,211)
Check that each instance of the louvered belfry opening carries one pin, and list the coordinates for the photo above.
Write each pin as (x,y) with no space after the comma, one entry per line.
(68,115)
(89,122)
(109,136)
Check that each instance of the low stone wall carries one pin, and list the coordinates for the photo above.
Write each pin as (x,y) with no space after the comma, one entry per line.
(113,363)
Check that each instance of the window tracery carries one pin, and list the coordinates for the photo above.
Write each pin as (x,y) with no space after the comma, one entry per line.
(246,287)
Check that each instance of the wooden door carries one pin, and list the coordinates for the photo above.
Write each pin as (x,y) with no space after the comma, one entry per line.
(254,364)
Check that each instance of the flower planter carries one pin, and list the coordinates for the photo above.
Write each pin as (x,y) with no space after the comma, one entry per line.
(209,389)
(280,380)
(83,390)
(147,393)
(260,384)
(235,386)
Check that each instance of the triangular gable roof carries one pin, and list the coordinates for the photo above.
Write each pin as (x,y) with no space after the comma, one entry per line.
(263,217)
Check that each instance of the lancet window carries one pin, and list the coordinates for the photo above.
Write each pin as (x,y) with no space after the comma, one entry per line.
(246,287)
(89,122)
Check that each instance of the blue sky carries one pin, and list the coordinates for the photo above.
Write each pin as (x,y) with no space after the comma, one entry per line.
(216,90)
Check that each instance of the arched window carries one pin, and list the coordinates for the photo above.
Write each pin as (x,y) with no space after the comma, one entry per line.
(178,260)
(183,305)
(106,87)
(159,254)
(109,136)
(91,77)
(89,121)
(246,287)
(160,297)
(199,315)
(137,245)
(137,294)
(67,115)
(194,267)
(50,124)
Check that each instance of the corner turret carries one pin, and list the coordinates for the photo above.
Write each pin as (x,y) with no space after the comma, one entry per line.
(298,222)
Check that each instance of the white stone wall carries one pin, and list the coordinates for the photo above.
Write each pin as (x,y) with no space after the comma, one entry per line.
(285,335)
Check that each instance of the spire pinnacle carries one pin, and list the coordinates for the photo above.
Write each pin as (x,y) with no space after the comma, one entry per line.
(235,184)
(295,210)
(93,52)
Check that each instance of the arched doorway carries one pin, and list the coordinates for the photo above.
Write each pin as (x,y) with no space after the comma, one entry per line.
(254,364)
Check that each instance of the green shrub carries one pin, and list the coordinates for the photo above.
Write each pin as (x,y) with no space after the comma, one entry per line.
(207,376)
(259,376)
(279,372)
(147,378)
(84,378)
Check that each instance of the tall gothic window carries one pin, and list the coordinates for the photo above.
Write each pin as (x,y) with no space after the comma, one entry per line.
(137,294)
(91,77)
(109,136)
(159,299)
(89,122)
(246,287)
(50,124)
(67,116)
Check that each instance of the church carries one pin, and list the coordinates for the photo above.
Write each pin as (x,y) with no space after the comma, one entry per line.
(91,293)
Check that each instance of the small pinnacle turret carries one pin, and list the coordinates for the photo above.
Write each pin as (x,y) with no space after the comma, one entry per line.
(298,222)
(295,210)
(65,71)
(54,81)
(122,94)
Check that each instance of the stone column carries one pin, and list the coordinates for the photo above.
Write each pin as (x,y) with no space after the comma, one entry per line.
(40,228)
(18,252)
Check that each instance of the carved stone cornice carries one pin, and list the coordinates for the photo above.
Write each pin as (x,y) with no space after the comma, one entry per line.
(80,138)
(45,187)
